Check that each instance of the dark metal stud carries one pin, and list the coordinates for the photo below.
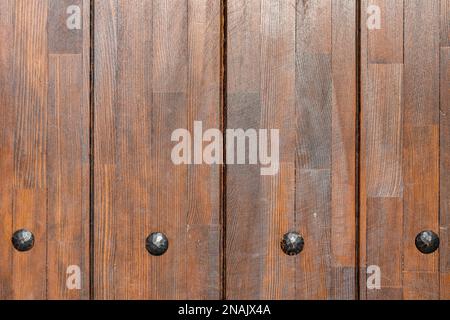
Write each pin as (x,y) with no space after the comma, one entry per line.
(23,240)
(292,243)
(427,242)
(157,244)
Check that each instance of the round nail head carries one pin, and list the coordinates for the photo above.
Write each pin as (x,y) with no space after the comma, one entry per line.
(157,244)
(292,243)
(23,240)
(427,242)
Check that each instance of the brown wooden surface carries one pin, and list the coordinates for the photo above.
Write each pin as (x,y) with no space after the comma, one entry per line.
(444,218)
(157,69)
(160,65)
(292,66)
(401,179)
(44,139)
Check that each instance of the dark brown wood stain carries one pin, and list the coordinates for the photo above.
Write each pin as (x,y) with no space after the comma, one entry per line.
(85,143)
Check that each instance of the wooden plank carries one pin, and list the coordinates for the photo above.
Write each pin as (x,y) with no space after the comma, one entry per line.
(68,151)
(45,148)
(68,201)
(244,261)
(343,147)
(363,95)
(255,103)
(445,174)
(29,76)
(381,154)
(6,146)
(282,57)
(155,74)
(400,153)
(314,140)
(421,144)
(204,182)
(327,131)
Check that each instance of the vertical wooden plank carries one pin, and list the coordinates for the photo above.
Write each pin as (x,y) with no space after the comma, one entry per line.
(363,95)
(400,150)
(30,78)
(68,241)
(6,146)
(277,96)
(343,148)
(244,261)
(260,92)
(204,181)
(68,151)
(385,45)
(445,152)
(170,86)
(314,146)
(157,70)
(383,183)
(44,161)
(105,61)
(421,143)
(282,74)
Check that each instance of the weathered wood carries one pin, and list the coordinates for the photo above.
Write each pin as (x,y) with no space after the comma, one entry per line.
(343,148)
(291,65)
(383,184)
(157,69)
(280,63)
(400,147)
(445,173)
(45,149)
(6,146)
(421,144)
(385,45)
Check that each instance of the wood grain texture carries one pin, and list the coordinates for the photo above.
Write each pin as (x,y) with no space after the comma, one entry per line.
(400,176)
(382,183)
(343,141)
(386,44)
(158,66)
(445,173)
(7,147)
(45,147)
(157,69)
(293,71)
(421,144)
(445,23)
